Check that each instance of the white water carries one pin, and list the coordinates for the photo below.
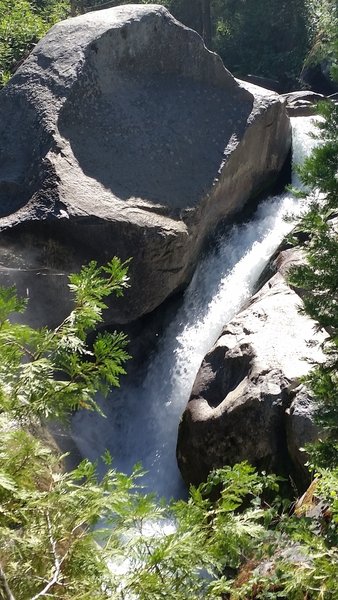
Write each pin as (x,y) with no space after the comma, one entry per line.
(142,421)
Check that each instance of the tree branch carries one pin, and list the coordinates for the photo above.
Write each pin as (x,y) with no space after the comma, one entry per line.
(5,591)
(57,563)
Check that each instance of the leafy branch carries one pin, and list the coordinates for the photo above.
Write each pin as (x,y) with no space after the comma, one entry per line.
(53,372)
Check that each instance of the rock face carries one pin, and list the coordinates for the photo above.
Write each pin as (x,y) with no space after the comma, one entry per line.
(300,430)
(302,103)
(247,403)
(123,135)
(317,76)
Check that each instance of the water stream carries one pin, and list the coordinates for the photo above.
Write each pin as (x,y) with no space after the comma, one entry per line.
(142,420)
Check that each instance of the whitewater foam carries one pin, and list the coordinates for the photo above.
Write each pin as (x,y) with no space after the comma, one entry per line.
(141,424)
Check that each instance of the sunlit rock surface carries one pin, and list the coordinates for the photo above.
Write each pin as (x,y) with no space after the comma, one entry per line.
(302,103)
(247,402)
(123,135)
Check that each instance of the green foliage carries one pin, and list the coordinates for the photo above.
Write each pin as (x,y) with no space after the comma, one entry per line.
(320,169)
(53,372)
(324,20)
(20,28)
(269,39)
(73,536)
(47,542)
(46,516)
(314,524)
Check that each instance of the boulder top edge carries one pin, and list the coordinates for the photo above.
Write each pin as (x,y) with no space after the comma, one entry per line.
(137,37)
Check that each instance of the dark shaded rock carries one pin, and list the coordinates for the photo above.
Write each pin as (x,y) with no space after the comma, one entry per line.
(301,430)
(46,285)
(128,137)
(318,77)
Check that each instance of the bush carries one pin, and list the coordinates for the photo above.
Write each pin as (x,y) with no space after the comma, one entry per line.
(269,39)
(319,276)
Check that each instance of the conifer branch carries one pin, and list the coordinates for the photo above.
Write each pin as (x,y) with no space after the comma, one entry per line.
(57,562)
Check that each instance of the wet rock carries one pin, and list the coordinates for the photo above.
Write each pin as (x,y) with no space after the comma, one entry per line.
(237,408)
(128,137)
(302,103)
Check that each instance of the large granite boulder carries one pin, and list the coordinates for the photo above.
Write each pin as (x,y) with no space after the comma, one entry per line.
(247,402)
(121,134)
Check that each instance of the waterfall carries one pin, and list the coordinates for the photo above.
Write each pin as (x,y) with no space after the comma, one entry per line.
(142,420)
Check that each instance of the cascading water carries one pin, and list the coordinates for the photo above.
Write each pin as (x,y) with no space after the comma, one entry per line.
(142,420)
